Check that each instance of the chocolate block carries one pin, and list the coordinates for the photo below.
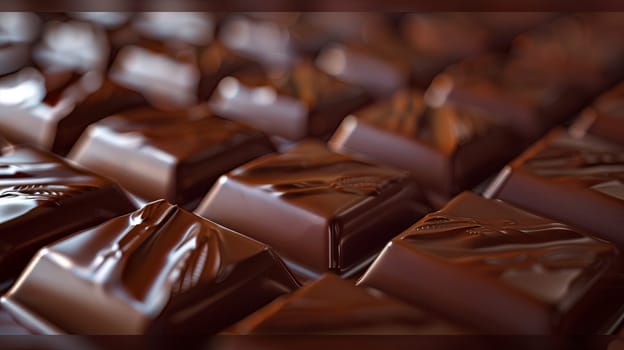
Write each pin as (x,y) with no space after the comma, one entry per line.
(166,80)
(51,110)
(604,118)
(447,149)
(176,155)
(503,270)
(292,103)
(72,45)
(18,30)
(193,28)
(332,305)
(158,270)
(42,199)
(264,41)
(521,94)
(578,181)
(381,70)
(321,211)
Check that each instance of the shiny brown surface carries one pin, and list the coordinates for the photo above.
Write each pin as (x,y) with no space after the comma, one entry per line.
(332,305)
(605,117)
(320,210)
(292,103)
(42,199)
(51,110)
(176,155)
(160,269)
(567,178)
(515,272)
(447,149)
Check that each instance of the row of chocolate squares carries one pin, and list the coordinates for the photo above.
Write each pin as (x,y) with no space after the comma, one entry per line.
(531,89)
(163,269)
(274,39)
(476,266)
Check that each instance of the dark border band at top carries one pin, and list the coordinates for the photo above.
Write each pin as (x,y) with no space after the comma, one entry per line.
(312,5)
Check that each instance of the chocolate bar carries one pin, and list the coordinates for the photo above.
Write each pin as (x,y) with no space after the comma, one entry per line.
(291,104)
(44,198)
(176,155)
(578,181)
(448,149)
(320,210)
(503,270)
(158,270)
(332,305)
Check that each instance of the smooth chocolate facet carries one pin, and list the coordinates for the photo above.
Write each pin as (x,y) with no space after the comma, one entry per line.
(332,305)
(448,149)
(321,211)
(158,270)
(503,270)
(578,181)
(42,199)
(176,155)
(604,118)
(292,104)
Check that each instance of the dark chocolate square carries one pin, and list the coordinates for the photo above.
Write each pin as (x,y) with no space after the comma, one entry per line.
(576,180)
(502,270)
(176,155)
(320,210)
(158,270)
(293,103)
(448,148)
(332,305)
(44,198)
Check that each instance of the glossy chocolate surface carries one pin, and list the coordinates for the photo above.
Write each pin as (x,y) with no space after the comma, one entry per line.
(486,260)
(292,103)
(321,211)
(42,199)
(605,117)
(447,149)
(51,110)
(166,80)
(176,155)
(332,305)
(579,181)
(160,269)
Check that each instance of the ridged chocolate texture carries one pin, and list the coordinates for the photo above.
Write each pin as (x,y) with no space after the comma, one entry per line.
(293,103)
(157,270)
(447,149)
(332,305)
(518,93)
(42,199)
(176,155)
(51,110)
(321,211)
(605,117)
(579,181)
(503,270)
